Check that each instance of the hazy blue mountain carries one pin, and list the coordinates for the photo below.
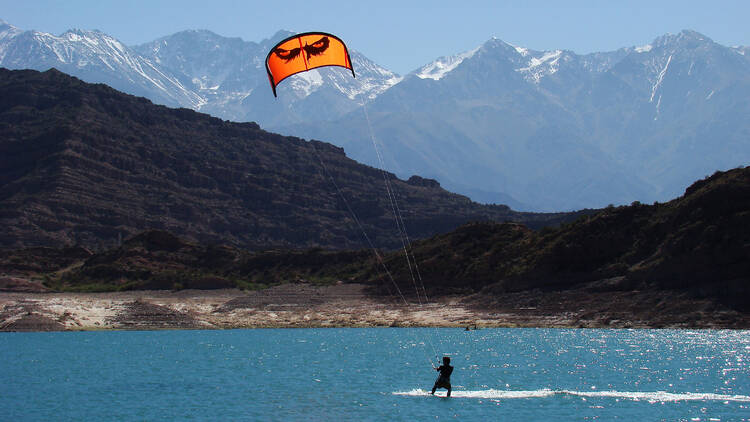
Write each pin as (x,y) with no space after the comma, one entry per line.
(557,130)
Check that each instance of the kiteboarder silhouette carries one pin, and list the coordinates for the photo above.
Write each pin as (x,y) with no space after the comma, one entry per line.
(444,379)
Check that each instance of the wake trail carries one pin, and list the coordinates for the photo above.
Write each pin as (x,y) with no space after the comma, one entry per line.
(649,396)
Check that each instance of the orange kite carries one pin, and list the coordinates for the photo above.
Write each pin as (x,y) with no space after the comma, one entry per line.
(302,52)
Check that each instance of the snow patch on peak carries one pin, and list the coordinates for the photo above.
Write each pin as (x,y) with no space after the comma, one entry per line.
(306,83)
(549,56)
(522,51)
(540,66)
(90,38)
(72,36)
(659,80)
(370,82)
(644,48)
(444,65)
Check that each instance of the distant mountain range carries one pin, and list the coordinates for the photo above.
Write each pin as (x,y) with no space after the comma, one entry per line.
(541,130)
(557,130)
(86,165)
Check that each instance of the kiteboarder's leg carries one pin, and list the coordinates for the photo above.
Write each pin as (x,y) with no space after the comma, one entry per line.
(435,386)
(449,389)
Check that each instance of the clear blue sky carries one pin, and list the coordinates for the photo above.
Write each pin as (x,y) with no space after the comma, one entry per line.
(378,27)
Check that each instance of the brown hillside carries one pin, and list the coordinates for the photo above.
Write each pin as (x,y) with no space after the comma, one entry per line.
(87,165)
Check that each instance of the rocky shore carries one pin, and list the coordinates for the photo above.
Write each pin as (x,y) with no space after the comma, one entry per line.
(349,305)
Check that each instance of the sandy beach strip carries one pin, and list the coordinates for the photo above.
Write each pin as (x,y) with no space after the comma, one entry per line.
(342,305)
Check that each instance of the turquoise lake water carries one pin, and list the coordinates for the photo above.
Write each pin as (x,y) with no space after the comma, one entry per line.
(376,374)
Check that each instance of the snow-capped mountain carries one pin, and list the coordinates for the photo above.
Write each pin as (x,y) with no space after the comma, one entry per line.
(557,130)
(443,66)
(230,75)
(95,57)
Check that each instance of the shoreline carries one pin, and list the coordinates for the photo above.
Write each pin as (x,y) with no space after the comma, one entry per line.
(348,305)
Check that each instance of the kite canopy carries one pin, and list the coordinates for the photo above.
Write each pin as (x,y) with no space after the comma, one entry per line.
(302,52)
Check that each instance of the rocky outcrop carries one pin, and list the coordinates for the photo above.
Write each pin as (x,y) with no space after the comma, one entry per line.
(33,322)
(143,315)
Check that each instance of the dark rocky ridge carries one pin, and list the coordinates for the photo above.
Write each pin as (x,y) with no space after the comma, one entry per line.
(697,244)
(696,247)
(86,165)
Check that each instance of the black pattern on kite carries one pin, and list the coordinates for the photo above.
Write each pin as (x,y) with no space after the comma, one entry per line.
(288,55)
(317,48)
